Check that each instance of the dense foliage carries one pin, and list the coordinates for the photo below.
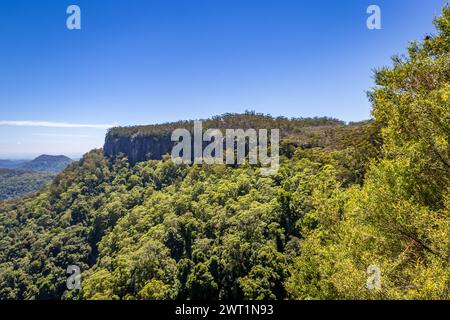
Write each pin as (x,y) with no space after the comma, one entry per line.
(379,196)
(16,183)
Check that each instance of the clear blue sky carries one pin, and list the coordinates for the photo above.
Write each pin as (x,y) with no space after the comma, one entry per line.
(141,62)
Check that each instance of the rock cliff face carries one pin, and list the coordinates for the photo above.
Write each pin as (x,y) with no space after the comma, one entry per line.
(138,148)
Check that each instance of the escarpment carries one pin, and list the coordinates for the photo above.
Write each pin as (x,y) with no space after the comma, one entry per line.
(152,142)
(138,147)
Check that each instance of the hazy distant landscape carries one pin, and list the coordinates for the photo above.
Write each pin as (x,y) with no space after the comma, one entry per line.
(22,177)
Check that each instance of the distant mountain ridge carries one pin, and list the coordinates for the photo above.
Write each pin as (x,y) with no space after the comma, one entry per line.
(43,163)
(47,163)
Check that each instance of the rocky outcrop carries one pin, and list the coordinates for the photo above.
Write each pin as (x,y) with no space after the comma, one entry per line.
(138,147)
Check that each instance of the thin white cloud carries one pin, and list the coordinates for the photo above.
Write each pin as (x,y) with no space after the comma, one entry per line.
(62,135)
(50,124)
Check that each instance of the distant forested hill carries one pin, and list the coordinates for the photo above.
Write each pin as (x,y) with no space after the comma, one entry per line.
(43,163)
(15,183)
(46,163)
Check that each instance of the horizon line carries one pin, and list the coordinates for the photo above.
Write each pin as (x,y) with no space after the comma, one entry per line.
(54,124)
